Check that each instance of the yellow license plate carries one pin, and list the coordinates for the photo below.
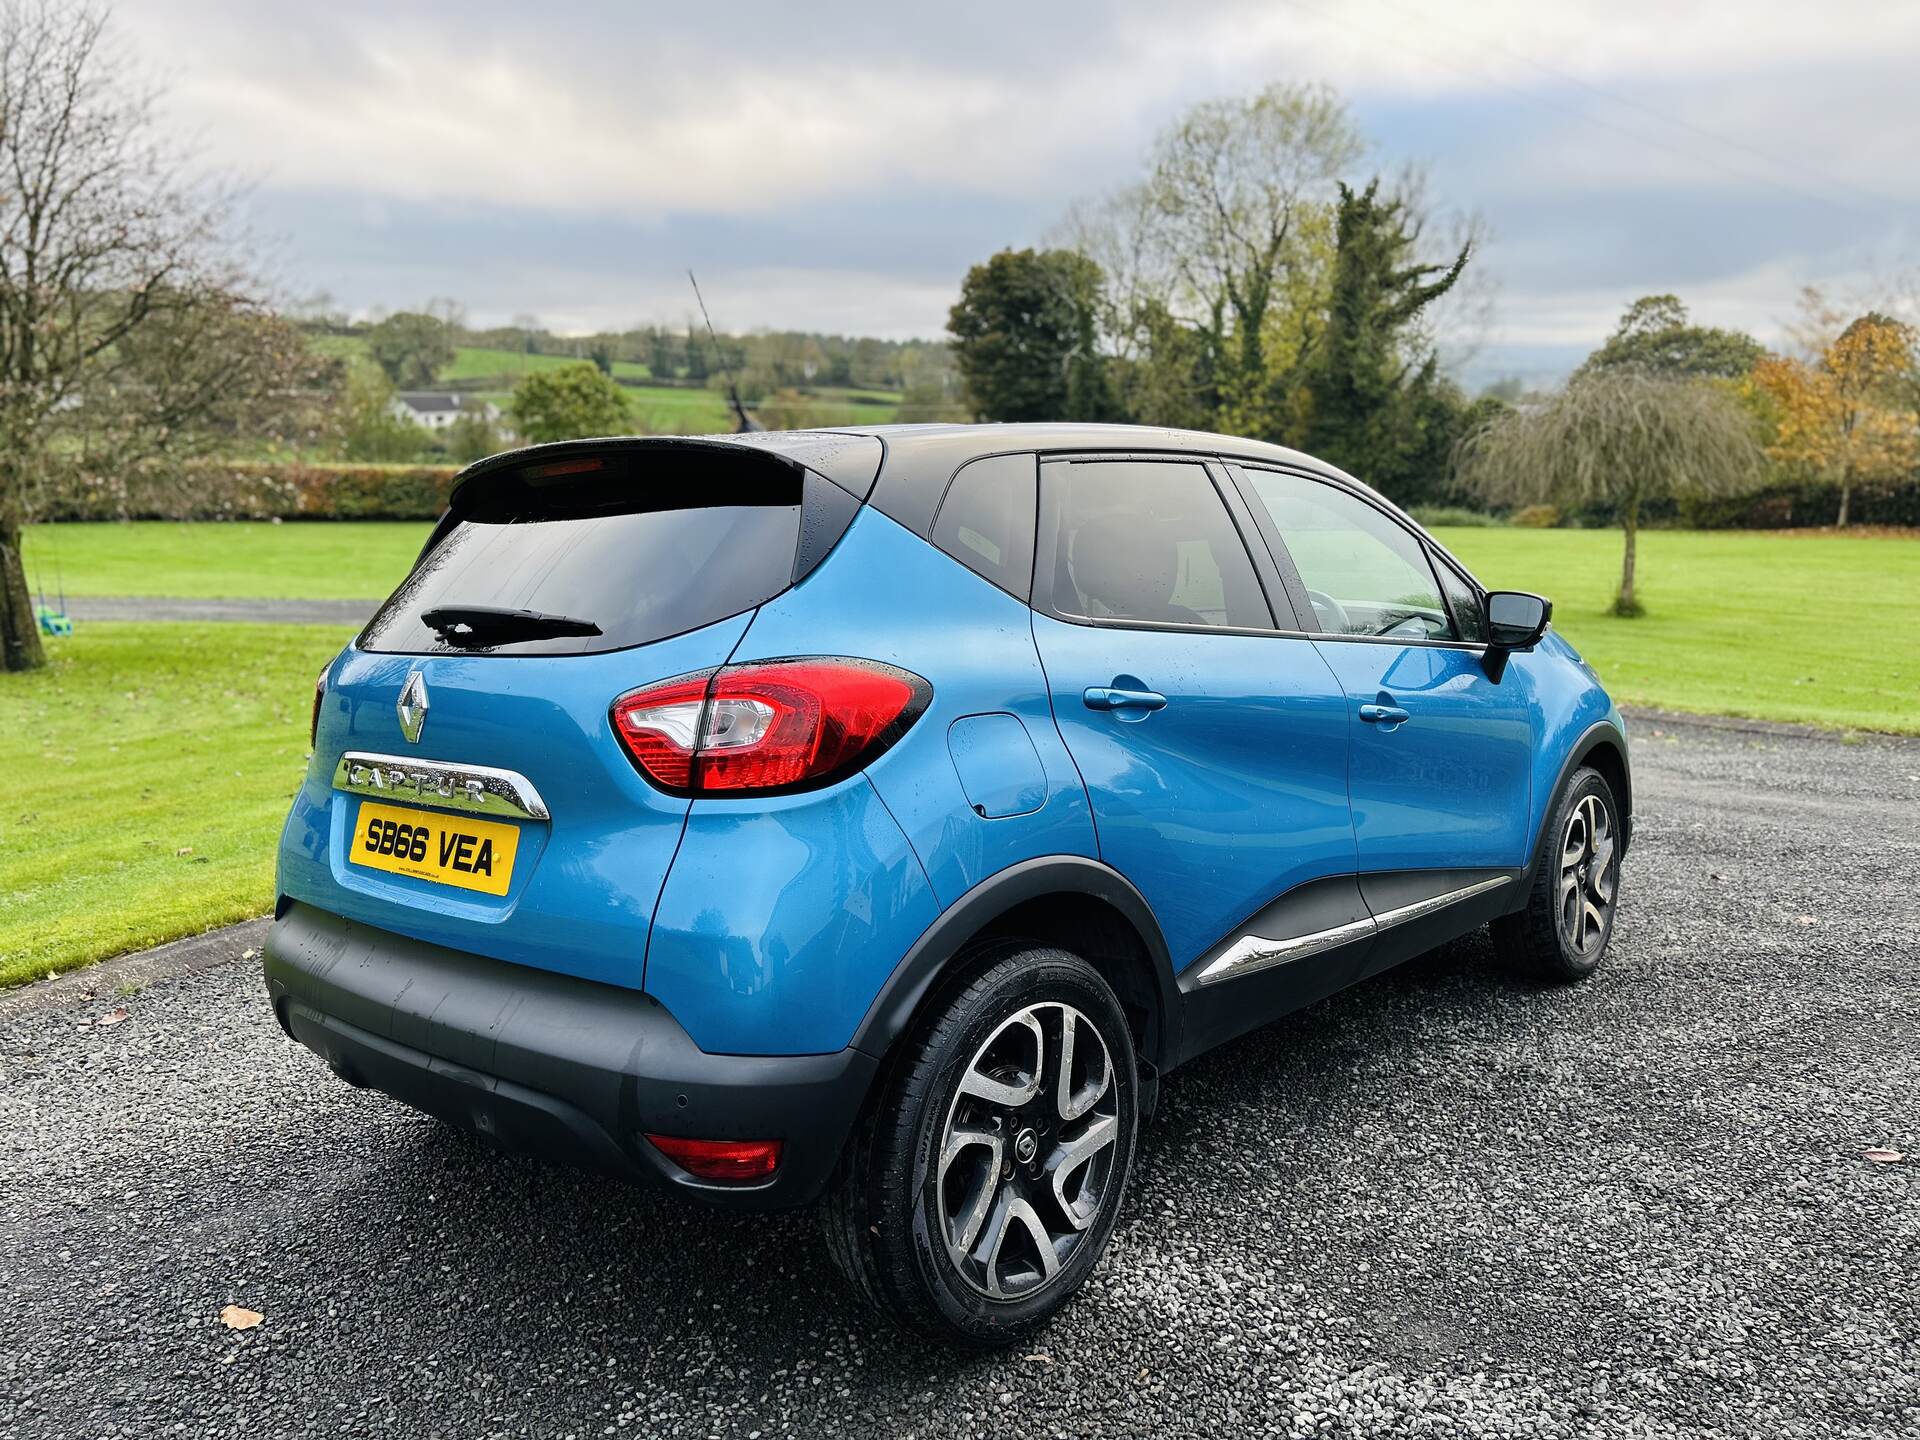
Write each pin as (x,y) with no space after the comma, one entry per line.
(447,849)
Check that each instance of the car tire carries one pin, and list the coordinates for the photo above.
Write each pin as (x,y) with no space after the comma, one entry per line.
(978,1192)
(1567,922)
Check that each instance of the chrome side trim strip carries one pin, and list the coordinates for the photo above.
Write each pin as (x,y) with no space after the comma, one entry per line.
(476,789)
(1252,953)
(1403,913)
(1255,952)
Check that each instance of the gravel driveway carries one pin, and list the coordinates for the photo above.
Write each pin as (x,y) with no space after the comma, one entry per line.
(1441,1204)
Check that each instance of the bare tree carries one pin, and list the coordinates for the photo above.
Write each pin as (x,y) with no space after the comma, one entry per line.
(1619,437)
(111,254)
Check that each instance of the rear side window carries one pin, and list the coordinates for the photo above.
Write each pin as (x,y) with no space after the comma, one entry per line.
(1147,541)
(986,520)
(1364,574)
(624,553)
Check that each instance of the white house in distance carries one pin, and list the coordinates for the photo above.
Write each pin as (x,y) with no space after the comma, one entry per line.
(437,409)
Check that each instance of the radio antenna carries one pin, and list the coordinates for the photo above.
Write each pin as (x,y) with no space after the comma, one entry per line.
(745,421)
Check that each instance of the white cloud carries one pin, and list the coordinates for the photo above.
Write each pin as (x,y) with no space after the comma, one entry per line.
(575,109)
(563,106)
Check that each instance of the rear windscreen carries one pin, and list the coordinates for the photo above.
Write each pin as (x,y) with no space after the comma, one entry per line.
(574,564)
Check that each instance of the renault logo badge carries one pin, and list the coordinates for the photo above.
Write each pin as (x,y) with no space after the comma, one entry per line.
(412,707)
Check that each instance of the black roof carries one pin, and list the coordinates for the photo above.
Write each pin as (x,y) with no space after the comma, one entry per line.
(921,459)
(914,462)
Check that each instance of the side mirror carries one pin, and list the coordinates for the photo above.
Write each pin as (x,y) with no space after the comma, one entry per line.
(1515,621)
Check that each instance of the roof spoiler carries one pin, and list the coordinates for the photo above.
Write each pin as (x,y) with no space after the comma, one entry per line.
(849,459)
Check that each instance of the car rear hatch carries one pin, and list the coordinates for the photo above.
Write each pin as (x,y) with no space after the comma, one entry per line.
(467,786)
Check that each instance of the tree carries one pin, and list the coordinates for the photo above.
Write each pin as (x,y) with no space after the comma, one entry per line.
(698,362)
(660,355)
(1024,336)
(1655,336)
(472,436)
(194,377)
(1237,192)
(1849,416)
(411,348)
(1619,436)
(1375,403)
(110,258)
(1167,376)
(368,425)
(568,402)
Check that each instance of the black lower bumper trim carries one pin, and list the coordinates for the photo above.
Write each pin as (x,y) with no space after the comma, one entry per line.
(552,1065)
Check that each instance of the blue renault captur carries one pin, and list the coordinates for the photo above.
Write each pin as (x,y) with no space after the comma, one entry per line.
(874,817)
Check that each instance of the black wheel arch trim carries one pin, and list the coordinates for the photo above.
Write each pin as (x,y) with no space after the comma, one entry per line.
(1601,732)
(1038,878)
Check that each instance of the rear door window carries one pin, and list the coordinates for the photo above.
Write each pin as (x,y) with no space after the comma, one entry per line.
(641,551)
(1147,542)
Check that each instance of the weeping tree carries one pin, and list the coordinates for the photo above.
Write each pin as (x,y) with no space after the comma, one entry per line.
(1619,438)
(125,328)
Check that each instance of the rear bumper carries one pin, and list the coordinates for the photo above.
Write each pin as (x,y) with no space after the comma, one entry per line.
(552,1065)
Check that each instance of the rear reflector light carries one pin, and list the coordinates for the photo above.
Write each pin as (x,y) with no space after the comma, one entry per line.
(769,726)
(731,1162)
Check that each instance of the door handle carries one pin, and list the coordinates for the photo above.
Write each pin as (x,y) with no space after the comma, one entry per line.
(1388,715)
(1106,697)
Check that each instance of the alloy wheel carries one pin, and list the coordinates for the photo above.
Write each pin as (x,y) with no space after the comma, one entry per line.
(1588,882)
(1026,1155)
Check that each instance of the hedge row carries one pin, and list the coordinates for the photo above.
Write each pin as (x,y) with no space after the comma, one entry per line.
(237,490)
(1799,505)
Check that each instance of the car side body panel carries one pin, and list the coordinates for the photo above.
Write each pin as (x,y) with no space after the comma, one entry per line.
(1573,712)
(1452,784)
(888,595)
(782,918)
(1232,793)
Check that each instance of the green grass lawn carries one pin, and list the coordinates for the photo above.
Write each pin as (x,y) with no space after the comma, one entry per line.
(1774,627)
(149,768)
(141,741)
(1769,626)
(312,560)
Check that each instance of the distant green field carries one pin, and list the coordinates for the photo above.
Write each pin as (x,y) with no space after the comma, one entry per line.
(1770,626)
(472,362)
(149,771)
(660,410)
(479,362)
(656,409)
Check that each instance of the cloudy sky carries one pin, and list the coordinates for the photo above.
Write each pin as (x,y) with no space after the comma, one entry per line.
(834,166)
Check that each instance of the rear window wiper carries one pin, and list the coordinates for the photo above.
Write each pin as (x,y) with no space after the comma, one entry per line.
(493,625)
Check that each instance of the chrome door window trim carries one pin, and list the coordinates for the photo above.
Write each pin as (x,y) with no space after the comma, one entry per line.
(475,789)
(1252,953)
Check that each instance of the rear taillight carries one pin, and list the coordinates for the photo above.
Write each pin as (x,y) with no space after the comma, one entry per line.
(731,1162)
(319,694)
(768,726)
